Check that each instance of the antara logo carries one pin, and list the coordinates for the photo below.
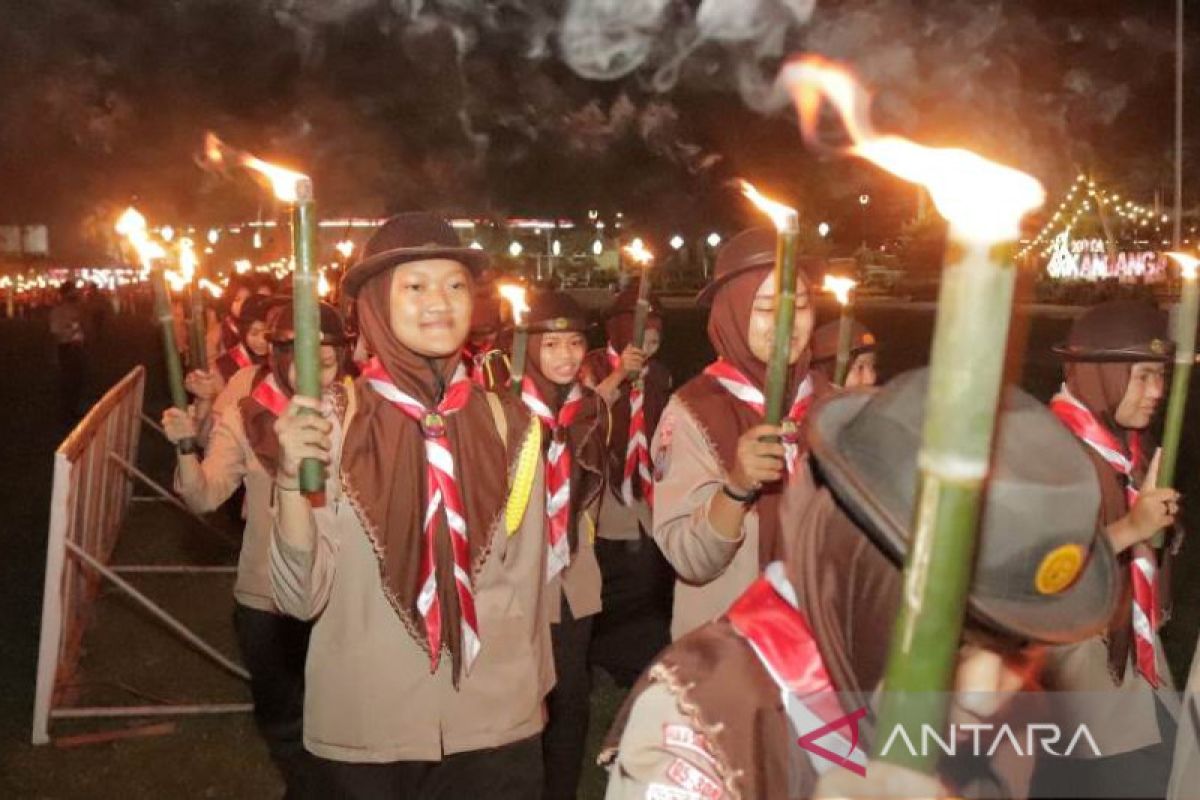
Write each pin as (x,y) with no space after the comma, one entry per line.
(985,739)
(809,742)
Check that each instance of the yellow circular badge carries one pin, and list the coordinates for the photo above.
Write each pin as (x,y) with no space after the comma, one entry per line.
(1059,569)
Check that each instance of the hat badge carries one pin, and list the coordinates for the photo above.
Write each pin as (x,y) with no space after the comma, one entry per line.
(1158,346)
(561,323)
(1058,569)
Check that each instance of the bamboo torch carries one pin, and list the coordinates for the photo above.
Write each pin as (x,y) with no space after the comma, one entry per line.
(296,190)
(196,339)
(1185,355)
(787,225)
(984,203)
(515,295)
(841,288)
(637,252)
(132,225)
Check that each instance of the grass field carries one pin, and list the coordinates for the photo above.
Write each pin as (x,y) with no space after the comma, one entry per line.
(130,658)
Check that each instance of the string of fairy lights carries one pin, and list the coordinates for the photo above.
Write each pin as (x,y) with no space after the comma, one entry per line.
(1083,197)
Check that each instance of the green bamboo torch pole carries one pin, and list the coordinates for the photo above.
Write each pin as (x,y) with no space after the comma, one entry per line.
(1185,356)
(842,365)
(974,308)
(641,311)
(162,310)
(196,327)
(520,346)
(307,319)
(785,312)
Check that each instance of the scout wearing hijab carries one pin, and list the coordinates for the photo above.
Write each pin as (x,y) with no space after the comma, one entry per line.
(720,713)
(252,345)
(861,371)
(236,294)
(243,449)
(718,484)
(575,432)
(425,569)
(1115,358)
(486,363)
(636,591)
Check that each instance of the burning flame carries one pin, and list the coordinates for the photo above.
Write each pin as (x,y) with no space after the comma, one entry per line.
(323,286)
(284,182)
(345,247)
(637,251)
(187,260)
(212,288)
(840,287)
(984,201)
(515,295)
(132,225)
(784,217)
(1187,264)
(242,266)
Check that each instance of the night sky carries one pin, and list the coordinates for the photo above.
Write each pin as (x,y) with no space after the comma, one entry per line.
(541,107)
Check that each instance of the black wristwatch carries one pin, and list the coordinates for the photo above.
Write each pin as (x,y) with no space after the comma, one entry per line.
(744,499)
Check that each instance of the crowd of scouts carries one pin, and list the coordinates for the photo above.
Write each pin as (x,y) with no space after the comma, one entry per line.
(489,531)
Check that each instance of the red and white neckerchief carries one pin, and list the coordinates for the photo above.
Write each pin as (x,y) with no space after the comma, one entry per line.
(637,450)
(767,617)
(473,359)
(442,498)
(558,470)
(268,395)
(241,356)
(1143,566)
(740,387)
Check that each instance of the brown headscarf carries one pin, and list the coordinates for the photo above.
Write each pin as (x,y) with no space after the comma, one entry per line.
(383,468)
(587,438)
(724,417)
(1101,386)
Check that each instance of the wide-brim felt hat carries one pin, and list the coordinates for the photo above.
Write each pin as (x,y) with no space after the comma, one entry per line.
(412,236)
(752,249)
(824,342)
(1044,569)
(555,312)
(281,328)
(1119,330)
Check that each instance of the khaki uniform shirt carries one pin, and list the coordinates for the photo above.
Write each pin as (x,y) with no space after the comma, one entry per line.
(711,571)
(369,692)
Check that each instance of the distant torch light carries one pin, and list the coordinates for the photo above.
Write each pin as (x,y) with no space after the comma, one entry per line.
(676,242)
(713,239)
(167,233)
(214,236)
(257,240)
(823,229)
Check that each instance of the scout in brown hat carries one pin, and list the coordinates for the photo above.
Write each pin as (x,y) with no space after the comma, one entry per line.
(1115,360)
(723,712)
(244,451)
(574,424)
(861,371)
(636,617)
(721,473)
(425,569)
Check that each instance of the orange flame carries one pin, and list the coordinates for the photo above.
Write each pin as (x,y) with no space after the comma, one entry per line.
(345,247)
(1187,264)
(212,288)
(784,217)
(983,201)
(840,287)
(515,295)
(637,251)
(285,183)
(132,225)
(323,286)
(187,259)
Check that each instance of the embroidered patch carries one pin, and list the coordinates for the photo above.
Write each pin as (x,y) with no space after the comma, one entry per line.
(660,791)
(662,449)
(684,738)
(693,779)
(1059,569)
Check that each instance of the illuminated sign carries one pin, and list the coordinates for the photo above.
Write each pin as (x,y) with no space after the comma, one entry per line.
(1089,260)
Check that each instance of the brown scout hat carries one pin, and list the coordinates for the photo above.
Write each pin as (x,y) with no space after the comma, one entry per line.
(412,236)
(1119,330)
(1044,569)
(824,342)
(753,248)
(555,312)
(281,330)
